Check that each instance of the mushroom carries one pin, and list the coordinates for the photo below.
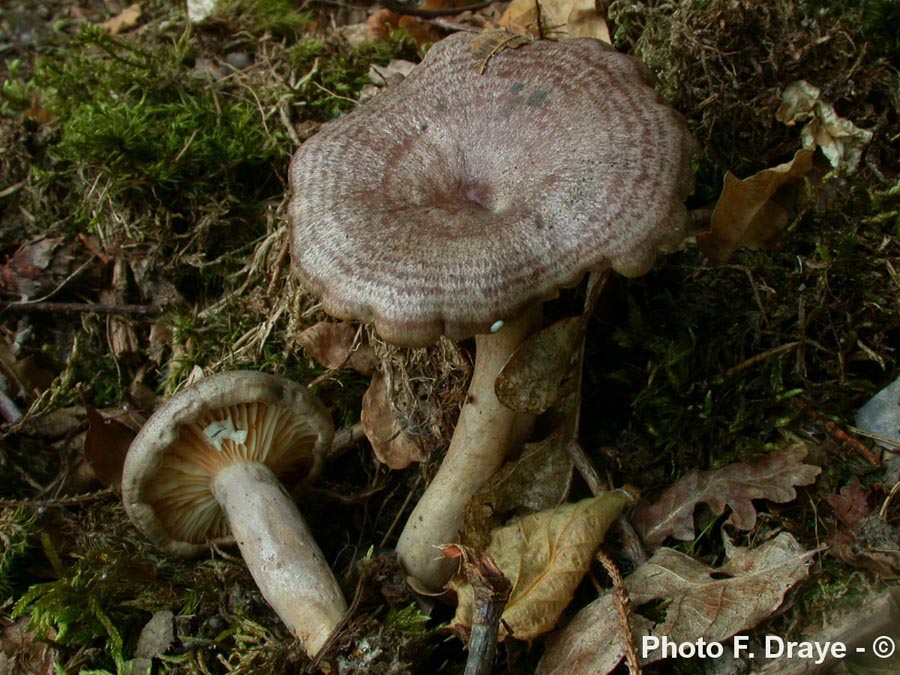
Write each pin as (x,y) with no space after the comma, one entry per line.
(204,469)
(456,202)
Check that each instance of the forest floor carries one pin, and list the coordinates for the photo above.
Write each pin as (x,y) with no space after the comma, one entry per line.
(144,244)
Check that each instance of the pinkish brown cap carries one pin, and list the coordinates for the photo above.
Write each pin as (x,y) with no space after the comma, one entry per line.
(227,418)
(456,199)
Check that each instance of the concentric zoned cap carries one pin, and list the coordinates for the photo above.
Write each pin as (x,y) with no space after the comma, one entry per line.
(457,198)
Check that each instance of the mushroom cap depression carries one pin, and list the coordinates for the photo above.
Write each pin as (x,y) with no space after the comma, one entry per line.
(236,416)
(455,199)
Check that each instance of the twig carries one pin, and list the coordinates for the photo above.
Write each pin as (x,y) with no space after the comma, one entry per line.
(883,440)
(585,468)
(492,591)
(753,360)
(345,439)
(623,609)
(837,433)
(81,308)
(75,500)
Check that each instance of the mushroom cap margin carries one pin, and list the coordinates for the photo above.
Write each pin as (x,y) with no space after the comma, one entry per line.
(147,451)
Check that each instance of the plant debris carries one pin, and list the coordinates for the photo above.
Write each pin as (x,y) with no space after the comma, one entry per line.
(143,243)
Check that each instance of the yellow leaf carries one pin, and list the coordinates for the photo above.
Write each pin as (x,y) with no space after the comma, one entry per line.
(556,19)
(544,556)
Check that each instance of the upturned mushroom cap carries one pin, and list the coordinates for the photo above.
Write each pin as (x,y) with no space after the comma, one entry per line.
(455,199)
(224,418)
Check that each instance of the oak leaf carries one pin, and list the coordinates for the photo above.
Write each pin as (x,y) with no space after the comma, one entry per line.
(390,443)
(544,556)
(736,485)
(334,345)
(753,210)
(700,602)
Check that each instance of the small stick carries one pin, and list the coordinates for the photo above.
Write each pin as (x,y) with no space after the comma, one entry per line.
(837,433)
(623,609)
(492,591)
(753,360)
(345,439)
(585,468)
(81,308)
(75,500)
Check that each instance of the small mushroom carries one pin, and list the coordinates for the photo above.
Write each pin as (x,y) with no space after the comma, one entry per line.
(205,469)
(456,202)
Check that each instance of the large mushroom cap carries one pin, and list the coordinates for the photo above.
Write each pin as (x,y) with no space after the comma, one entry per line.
(455,199)
(237,416)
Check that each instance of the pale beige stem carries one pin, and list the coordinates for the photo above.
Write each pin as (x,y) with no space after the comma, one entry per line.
(280,552)
(476,451)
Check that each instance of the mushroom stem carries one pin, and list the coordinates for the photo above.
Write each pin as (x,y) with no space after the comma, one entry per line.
(477,449)
(280,552)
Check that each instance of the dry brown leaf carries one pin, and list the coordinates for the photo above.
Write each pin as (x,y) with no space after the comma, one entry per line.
(121,336)
(335,345)
(538,480)
(390,443)
(752,211)
(544,556)
(105,446)
(840,140)
(558,19)
(530,380)
(735,485)
(126,19)
(700,602)
(850,506)
(24,649)
(38,267)
(382,23)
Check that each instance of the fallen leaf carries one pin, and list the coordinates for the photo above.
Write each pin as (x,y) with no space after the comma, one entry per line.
(841,141)
(127,18)
(544,556)
(25,378)
(121,335)
(384,22)
(558,19)
(873,545)
(539,479)
(395,71)
(390,443)
(752,211)
(850,507)
(105,446)
(700,602)
(200,10)
(37,267)
(156,636)
(735,485)
(335,346)
(530,380)
(25,649)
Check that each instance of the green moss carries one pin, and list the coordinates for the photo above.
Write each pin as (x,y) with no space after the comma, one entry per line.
(83,605)
(17,534)
(279,18)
